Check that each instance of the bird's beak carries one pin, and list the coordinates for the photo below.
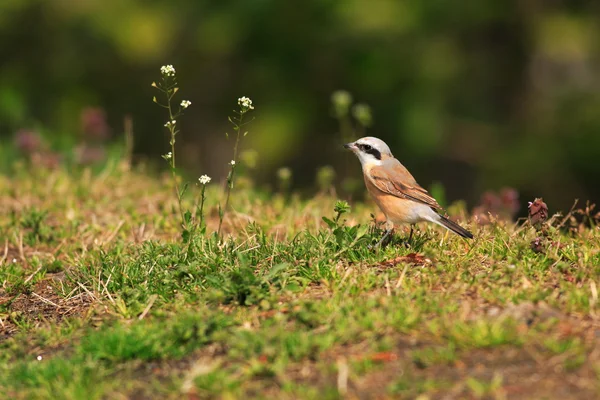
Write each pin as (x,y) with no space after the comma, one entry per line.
(350,146)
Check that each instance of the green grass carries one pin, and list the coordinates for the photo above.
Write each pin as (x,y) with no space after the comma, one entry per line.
(95,280)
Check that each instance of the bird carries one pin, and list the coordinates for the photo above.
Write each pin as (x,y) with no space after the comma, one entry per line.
(395,190)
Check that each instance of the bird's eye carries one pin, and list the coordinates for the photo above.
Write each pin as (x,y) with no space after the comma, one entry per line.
(367,147)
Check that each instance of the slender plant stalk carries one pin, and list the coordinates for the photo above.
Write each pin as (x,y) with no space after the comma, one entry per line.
(201,208)
(168,86)
(230,176)
(232,172)
(173,131)
(238,124)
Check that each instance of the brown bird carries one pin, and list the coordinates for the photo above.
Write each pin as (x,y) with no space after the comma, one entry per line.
(395,191)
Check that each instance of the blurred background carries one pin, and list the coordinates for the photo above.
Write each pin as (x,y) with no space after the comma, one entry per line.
(472,97)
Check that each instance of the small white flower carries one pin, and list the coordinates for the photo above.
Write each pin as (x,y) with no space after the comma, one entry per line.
(341,98)
(245,103)
(168,156)
(186,103)
(167,70)
(14,260)
(204,179)
(284,173)
(232,163)
(39,358)
(170,123)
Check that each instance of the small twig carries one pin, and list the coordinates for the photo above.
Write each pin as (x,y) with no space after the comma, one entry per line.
(114,232)
(5,252)
(250,249)
(141,231)
(87,291)
(46,300)
(568,215)
(244,242)
(68,296)
(21,252)
(342,378)
(60,245)
(401,279)
(107,292)
(274,248)
(346,275)
(32,275)
(148,307)
(387,286)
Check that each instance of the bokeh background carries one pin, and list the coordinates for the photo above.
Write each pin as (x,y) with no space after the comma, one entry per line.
(475,95)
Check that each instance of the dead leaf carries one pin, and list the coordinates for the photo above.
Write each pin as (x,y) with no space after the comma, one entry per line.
(412,258)
(538,212)
(384,356)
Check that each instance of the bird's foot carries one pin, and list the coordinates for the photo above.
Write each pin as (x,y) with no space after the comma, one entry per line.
(385,240)
(408,242)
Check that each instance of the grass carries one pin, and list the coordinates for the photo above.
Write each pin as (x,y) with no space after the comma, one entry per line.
(99,298)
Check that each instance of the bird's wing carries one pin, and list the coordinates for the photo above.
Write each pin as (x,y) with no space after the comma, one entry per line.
(393,178)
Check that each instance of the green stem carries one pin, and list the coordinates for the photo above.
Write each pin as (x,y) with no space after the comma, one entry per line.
(201,210)
(230,177)
(173,131)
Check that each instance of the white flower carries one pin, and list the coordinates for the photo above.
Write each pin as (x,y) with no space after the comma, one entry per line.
(168,156)
(245,103)
(341,98)
(170,123)
(39,358)
(14,260)
(284,173)
(186,103)
(167,70)
(232,163)
(204,179)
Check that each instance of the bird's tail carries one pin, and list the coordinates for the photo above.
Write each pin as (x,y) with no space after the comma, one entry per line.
(454,227)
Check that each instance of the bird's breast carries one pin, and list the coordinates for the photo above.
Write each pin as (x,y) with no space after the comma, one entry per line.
(396,209)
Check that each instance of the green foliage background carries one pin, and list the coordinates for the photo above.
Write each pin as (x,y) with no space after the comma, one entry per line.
(474,94)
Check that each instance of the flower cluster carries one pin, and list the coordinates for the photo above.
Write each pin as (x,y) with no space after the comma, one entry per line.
(245,103)
(167,70)
(341,100)
(284,173)
(232,163)
(362,113)
(204,179)
(168,156)
(170,123)
(186,103)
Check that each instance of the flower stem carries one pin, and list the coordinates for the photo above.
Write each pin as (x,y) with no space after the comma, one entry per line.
(230,177)
(201,208)
(173,132)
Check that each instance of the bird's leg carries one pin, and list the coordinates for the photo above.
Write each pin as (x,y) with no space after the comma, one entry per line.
(408,242)
(387,237)
(385,240)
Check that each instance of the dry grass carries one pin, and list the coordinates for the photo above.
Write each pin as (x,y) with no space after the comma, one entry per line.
(95,280)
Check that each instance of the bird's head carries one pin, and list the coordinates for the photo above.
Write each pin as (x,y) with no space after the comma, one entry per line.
(370,150)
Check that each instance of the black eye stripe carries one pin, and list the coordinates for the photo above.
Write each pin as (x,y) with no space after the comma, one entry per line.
(370,150)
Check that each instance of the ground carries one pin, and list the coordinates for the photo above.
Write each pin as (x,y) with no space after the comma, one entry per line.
(100,298)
